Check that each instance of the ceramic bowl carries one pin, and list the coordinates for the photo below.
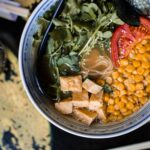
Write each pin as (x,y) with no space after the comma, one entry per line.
(27,63)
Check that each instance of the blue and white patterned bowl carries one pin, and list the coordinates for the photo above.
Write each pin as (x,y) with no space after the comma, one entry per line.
(27,59)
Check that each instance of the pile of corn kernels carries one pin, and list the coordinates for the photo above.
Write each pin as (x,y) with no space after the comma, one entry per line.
(130,83)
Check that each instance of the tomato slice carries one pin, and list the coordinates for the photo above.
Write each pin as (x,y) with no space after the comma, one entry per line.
(126,37)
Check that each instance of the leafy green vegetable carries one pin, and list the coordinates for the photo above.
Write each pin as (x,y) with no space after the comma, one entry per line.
(81,26)
(107,88)
(88,11)
(69,64)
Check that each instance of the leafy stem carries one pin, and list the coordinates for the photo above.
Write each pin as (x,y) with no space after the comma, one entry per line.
(90,43)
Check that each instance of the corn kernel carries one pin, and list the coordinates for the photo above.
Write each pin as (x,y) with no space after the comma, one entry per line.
(136,108)
(136,63)
(116,107)
(139,46)
(130,105)
(112,118)
(140,70)
(145,57)
(128,81)
(145,94)
(123,92)
(124,62)
(145,82)
(130,93)
(139,93)
(111,101)
(132,77)
(127,113)
(138,78)
(139,86)
(130,68)
(148,89)
(134,72)
(120,79)
(126,74)
(146,65)
(138,57)
(148,79)
(109,80)
(116,113)
(106,97)
(115,75)
(100,82)
(117,100)
(124,99)
(116,93)
(143,100)
(147,48)
(121,70)
(146,72)
(110,109)
(144,42)
(131,87)
(115,84)
(121,104)
(131,99)
(123,110)
(120,117)
(120,86)
(142,49)
(132,55)
(135,98)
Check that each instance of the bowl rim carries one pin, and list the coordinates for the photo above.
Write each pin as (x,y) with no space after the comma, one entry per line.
(125,131)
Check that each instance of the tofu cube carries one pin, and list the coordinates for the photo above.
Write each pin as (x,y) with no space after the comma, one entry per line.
(101,113)
(96,101)
(80,99)
(84,115)
(91,87)
(64,106)
(72,83)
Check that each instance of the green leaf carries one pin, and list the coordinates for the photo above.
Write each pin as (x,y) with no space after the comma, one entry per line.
(69,64)
(72,53)
(81,40)
(43,23)
(118,21)
(107,34)
(62,34)
(89,11)
(50,46)
(36,44)
(107,88)
(64,60)
(115,19)
(57,22)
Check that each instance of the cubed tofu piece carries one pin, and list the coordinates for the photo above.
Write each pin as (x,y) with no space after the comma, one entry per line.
(84,115)
(91,87)
(96,101)
(80,99)
(65,106)
(72,83)
(101,113)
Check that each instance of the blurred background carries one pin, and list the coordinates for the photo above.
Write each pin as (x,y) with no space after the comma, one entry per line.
(21,126)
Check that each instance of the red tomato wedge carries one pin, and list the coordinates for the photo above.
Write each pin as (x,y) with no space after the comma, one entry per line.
(126,37)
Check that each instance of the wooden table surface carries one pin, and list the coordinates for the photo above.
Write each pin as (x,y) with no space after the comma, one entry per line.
(21,126)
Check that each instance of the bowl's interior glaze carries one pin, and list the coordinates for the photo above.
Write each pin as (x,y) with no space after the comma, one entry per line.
(27,67)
